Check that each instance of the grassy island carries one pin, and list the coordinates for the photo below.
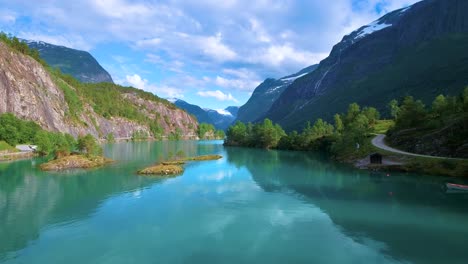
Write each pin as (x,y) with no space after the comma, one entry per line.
(162,170)
(174,167)
(75,162)
(89,155)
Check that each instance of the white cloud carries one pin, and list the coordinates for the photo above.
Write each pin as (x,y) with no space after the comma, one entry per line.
(136,81)
(278,55)
(218,95)
(172,65)
(148,43)
(122,9)
(7,16)
(238,84)
(214,47)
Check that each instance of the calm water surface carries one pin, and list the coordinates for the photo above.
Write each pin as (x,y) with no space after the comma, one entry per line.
(252,206)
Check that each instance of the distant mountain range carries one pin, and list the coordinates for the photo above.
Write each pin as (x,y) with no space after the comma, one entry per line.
(421,50)
(221,119)
(80,64)
(266,94)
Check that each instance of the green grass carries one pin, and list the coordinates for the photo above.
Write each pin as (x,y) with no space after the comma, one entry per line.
(5,146)
(75,106)
(382,126)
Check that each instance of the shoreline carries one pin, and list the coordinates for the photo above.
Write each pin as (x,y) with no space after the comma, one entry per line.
(17,156)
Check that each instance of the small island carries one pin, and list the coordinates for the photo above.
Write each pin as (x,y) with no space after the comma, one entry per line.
(162,170)
(89,155)
(174,167)
(75,162)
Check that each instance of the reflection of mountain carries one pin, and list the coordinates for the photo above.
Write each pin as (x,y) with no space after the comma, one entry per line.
(31,200)
(401,212)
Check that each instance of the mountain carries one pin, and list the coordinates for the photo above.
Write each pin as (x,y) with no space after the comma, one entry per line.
(234,110)
(201,114)
(79,64)
(62,104)
(266,94)
(421,50)
(221,119)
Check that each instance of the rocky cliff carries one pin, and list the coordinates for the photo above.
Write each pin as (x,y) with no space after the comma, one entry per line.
(30,92)
(419,50)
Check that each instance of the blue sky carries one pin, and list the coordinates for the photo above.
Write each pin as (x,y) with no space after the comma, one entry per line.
(208,52)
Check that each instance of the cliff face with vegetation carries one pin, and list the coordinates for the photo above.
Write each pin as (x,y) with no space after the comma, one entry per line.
(58,103)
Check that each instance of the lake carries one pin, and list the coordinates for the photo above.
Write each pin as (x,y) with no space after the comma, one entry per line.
(252,206)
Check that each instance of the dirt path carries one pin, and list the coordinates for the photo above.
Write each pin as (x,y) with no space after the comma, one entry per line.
(379,142)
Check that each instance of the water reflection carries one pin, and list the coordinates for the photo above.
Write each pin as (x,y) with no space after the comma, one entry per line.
(252,206)
(31,200)
(402,212)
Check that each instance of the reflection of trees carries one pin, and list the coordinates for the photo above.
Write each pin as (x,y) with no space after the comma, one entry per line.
(368,206)
(31,200)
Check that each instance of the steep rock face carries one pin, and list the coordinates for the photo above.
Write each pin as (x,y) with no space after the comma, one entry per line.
(80,64)
(266,94)
(419,51)
(28,91)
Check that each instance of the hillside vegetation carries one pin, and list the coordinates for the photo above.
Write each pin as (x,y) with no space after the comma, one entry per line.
(96,108)
(441,130)
(438,130)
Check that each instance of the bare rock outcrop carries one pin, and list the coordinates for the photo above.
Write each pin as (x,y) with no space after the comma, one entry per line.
(30,92)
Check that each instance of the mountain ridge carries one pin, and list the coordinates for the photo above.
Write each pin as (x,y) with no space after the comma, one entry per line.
(220,121)
(418,50)
(80,64)
(266,94)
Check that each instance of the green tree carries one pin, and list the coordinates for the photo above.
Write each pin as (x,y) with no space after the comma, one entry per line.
(88,145)
(439,105)
(110,137)
(205,130)
(44,143)
(412,113)
(372,114)
(237,134)
(394,108)
(220,134)
(353,110)
(339,126)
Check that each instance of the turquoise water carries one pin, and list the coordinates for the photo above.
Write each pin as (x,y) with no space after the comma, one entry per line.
(252,206)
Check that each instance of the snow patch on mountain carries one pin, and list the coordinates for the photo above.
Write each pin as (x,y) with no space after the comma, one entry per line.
(223,112)
(371,28)
(172,100)
(405,9)
(290,79)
